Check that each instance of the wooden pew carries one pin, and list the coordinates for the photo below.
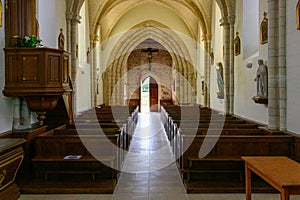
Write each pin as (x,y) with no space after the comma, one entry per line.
(109,140)
(51,152)
(127,129)
(237,138)
(224,161)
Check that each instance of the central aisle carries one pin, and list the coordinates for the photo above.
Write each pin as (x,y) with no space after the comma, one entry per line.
(149,170)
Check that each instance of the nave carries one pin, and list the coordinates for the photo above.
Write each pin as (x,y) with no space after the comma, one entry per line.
(150,172)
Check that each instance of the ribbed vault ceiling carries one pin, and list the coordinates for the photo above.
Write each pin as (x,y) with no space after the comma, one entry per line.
(190,14)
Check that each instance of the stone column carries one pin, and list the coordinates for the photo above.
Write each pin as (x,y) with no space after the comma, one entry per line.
(185,82)
(273,83)
(189,88)
(177,79)
(68,31)
(108,84)
(95,71)
(227,74)
(207,69)
(282,63)
(123,85)
(231,20)
(118,82)
(75,19)
(179,83)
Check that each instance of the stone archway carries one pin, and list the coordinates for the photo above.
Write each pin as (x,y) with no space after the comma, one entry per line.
(181,61)
(227,8)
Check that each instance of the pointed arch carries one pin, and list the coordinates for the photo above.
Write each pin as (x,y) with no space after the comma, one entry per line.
(182,61)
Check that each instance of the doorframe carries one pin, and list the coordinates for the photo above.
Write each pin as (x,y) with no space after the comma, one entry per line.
(143,78)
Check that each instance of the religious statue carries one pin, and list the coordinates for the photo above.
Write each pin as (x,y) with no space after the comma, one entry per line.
(149,52)
(220,80)
(1,8)
(98,81)
(262,79)
(237,45)
(212,57)
(264,30)
(61,40)
(298,14)
(37,28)
(203,86)
(88,55)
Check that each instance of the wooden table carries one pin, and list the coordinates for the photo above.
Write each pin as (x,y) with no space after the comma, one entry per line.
(279,171)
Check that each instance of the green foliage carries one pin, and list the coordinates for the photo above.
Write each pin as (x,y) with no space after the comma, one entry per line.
(28,41)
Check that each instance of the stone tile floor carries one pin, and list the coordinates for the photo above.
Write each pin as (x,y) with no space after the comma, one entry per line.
(149,172)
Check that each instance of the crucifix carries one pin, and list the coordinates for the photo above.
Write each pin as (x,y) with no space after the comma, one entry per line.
(149,55)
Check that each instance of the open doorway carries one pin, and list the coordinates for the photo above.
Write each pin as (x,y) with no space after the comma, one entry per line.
(149,95)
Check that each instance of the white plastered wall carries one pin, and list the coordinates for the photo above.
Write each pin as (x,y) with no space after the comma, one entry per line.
(83,72)
(245,86)
(51,16)
(293,68)
(200,65)
(6,103)
(217,46)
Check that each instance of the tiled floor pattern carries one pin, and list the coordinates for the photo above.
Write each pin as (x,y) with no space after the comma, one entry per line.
(150,172)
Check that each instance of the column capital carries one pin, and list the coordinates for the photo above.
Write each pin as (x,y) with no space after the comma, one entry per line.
(207,37)
(94,38)
(231,19)
(224,22)
(73,17)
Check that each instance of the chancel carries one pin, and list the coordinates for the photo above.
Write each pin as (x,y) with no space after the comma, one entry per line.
(185,99)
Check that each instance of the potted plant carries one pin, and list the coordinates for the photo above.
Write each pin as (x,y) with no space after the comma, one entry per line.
(29,41)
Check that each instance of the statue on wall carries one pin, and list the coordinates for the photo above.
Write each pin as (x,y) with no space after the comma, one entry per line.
(262,79)
(298,15)
(264,30)
(237,44)
(212,57)
(1,8)
(61,40)
(203,86)
(37,28)
(220,80)
(88,55)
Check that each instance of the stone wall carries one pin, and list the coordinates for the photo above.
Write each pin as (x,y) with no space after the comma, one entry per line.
(161,71)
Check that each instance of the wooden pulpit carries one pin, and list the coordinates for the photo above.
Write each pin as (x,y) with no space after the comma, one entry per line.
(39,75)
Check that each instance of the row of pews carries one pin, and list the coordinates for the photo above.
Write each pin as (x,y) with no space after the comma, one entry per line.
(208,146)
(75,150)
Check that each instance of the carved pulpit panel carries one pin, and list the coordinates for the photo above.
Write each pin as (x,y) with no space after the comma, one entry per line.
(54,70)
(29,69)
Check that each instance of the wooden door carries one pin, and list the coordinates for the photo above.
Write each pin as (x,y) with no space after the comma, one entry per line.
(153,95)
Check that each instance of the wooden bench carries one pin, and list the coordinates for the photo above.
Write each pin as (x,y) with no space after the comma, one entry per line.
(236,138)
(224,131)
(199,166)
(126,132)
(83,165)
(224,160)
(51,152)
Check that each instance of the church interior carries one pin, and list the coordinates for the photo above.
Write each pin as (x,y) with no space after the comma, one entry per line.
(149,99)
